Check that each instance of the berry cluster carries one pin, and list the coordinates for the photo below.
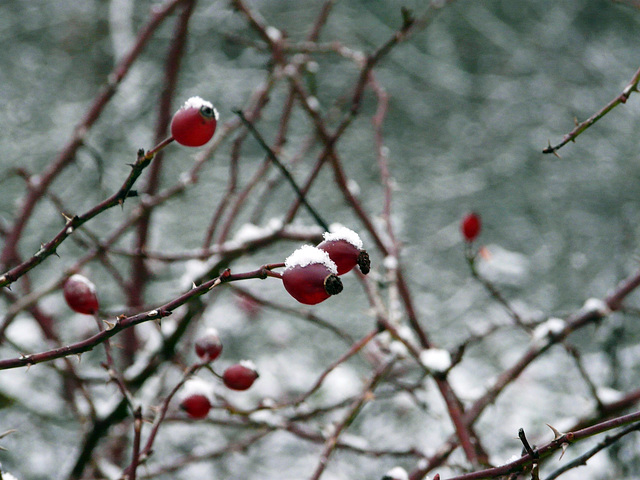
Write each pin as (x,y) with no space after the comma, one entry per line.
(311,273)
(196,394)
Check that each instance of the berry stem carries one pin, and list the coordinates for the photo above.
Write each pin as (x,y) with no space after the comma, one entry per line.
(151,153)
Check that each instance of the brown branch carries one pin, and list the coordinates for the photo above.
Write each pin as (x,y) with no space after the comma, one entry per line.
(10,253)
(124,322)
(631,87)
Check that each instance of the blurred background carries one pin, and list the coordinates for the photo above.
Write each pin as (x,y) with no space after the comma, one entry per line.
(474,98)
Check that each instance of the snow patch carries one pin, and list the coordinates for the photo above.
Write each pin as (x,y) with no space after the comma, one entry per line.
(436,359)
(396,473)
(84,280)
(248,364)
(596,305)
(309,255)
(340,232)
(196,386)
(198,103)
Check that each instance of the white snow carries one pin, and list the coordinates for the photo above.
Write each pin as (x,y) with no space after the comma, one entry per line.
(198,102)
(390,262)
(609,395)
(250,232)
(82,279)
(340,232)
(248,364)
(397,473)
(596,305)
(196,386)
(309,255)
(552,326)
(193,270)
(273,33)
(436,359)
(504,266)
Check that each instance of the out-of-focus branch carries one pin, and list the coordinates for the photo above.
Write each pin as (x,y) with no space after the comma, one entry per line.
(581,127)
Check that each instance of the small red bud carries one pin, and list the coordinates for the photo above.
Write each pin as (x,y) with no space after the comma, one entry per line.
(195,123)
(80,294)
(208,347)
(471,226)
(240,376)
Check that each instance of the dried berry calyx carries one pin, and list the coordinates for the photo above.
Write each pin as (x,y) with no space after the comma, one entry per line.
(194,123)
(310,275)
(80,294)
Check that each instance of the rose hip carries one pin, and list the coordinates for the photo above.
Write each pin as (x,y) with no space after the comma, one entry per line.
(195,123)
(80,294)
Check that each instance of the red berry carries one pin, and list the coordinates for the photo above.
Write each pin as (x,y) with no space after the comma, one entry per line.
(470,226)
(310,275)
(240,376)
(345,250)
(344,254)
(80,294)
(208,347)
(194,124)
(196,397)
(196,405)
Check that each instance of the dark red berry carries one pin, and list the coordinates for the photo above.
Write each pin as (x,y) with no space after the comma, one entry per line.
(345,250)
(240,376)
(470,226)
(195,123)
(344,254)
(311,284)
(196,405)
(208,347)
(80,294)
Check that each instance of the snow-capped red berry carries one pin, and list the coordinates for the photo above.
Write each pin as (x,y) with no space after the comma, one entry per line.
(195,123)
(208,347)
(80,294)
(195,398)
(470,226)
(240,376)
(344,247)
(196,406)
(310,276)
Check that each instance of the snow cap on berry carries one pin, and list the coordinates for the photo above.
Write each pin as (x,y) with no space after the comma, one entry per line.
(340,232)
(82,279)
(308,255)
(248,364)
(198,103)
(196,386)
